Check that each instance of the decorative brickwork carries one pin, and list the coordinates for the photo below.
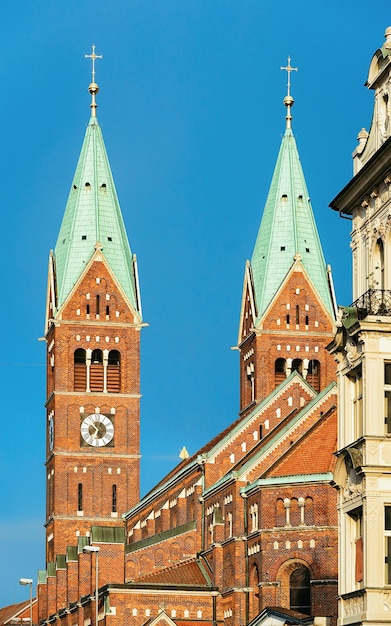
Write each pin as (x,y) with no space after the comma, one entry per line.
(247,522)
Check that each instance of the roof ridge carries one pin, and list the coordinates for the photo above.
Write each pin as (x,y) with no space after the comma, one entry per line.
(303,414)
(186,463)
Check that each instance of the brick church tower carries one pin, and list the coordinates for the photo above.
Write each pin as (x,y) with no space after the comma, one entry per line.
(93,324)
(288,301)
(246,527)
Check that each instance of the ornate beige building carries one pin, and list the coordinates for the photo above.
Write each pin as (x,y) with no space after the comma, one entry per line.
(362,348)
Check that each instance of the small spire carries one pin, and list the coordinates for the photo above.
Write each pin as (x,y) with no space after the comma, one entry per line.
(93,87)
(184,454)
(288,100)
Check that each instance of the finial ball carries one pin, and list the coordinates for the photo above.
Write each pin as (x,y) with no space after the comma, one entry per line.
(288,101)
(93,88)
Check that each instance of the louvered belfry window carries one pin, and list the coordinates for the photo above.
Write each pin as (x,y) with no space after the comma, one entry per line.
(279,371)
(96,371)
(100,374)
(313,375)
(80,370)
(114,372)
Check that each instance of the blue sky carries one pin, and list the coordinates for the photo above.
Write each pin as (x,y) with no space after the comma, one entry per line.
(192,115)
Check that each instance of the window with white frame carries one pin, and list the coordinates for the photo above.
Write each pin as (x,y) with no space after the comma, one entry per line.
(357,401)
(387,541)
(254,517)
(229,525)
(387,398)
(356,537)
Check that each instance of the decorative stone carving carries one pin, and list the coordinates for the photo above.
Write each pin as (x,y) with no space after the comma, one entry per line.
(351,349)
(353,606)
(387,601)
(353,482)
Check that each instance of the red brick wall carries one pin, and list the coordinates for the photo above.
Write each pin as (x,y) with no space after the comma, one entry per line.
(72,461)
(273,332)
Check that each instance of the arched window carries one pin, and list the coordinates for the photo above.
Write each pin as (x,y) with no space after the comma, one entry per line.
(297,366)
(253,517)
(313,375)
(229,525)
(80,497)
(114,499)
(79,370)
(114,372)
(280,513)
(309,511)
(97,357)
(294,515)
(279,371)
(254,595)
(96,371)
(299,590)
(99,374)
(376,281)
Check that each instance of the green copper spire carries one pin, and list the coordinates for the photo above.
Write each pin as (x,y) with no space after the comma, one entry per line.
(93,215)
(288,231)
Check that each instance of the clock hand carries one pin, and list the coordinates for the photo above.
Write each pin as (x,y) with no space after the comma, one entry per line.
(95,435)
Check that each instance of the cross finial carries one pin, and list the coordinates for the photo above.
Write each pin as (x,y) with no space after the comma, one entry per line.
(288,100)
(93,87)
(288,70)
(93,57)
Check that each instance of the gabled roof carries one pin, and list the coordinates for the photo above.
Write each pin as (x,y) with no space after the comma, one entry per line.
(163,618)
(287,232)
(190,573)
(292,425)
(222,439)
(313,453)
(15,613)
(92,215)
(275,615)
(279,435)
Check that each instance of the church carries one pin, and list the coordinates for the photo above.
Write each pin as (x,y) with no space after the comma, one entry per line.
(245,530)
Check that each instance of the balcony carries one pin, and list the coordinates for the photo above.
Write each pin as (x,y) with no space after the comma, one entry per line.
(373,302)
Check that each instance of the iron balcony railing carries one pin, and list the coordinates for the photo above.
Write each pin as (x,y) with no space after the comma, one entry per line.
(373,302)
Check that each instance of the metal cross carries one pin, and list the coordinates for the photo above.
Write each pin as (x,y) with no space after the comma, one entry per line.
(289,69)
(93,56)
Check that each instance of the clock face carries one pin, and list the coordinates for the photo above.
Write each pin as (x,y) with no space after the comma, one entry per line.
(97,430)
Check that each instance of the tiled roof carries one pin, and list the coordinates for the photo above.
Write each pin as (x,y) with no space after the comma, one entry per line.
(225,434)
(15,611)
(313,453)
(189,573)
(291,617)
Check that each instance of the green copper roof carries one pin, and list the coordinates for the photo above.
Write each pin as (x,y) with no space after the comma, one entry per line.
(92,215)
(287,229)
